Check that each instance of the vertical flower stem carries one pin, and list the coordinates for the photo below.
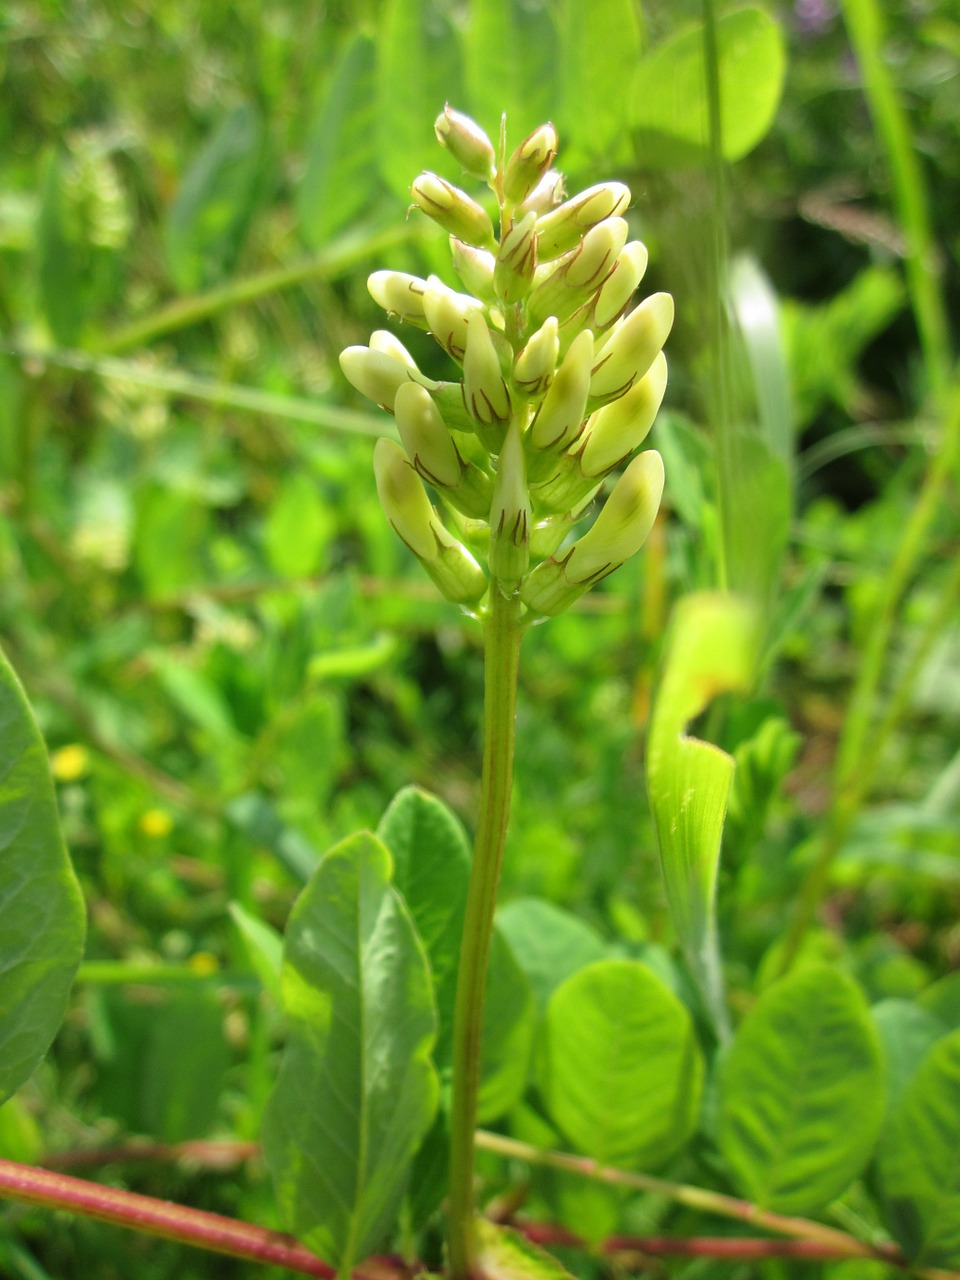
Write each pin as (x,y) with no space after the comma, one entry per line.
(502,632)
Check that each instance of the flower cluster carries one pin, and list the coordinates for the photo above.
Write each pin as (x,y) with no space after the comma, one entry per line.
(559,383)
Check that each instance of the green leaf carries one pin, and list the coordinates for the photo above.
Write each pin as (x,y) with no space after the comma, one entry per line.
(505,1254)
(760,514)
(549,943)
(906,1032)
(211,214)
(418,71)
(710,649)
(917,1160)
(509,1017)
(669,95)
(340,178)
(297,528)
(431,871)
(60,259)
(510,65)
(620,1071)
(194,695)
(942,999)
(802,1092)
(42,918)
(599,48)
(264,947)
(356,1091)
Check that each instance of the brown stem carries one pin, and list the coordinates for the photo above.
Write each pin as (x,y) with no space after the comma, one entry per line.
(194,1227)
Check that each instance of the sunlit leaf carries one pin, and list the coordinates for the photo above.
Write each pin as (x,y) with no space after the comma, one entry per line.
(599,48)
(42,918)
(710,649)
(917,1160)
(669,94)
(510,64)
(907,1032)
(549,943)
(802,1092)
(264,947)
(356,1091)
(620,1071)
(505,1254)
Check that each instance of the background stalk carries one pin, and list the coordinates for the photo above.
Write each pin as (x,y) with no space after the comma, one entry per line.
(502,631)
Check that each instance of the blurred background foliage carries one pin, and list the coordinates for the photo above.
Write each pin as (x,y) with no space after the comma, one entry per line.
(233,659)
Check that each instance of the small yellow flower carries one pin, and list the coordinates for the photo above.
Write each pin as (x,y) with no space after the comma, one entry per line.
(70,763)
(204,963)
(155,823)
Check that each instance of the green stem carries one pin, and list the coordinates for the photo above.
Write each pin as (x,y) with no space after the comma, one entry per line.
(502,631)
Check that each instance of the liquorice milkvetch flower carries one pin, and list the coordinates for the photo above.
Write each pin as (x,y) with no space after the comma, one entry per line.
(559,382)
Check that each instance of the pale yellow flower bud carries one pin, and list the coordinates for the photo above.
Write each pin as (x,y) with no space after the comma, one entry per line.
(510,516)
(400,294)
(629,351)
(560,418)
(475,268)
(453,209)
(616,430)
(620,285)
(567,284)
(389,344)
(537,363)
(529,163)
(484,388)
(377,375)
(425,437)
(467,142)
(546,195)
(561,228)
(516,260)
(447,313)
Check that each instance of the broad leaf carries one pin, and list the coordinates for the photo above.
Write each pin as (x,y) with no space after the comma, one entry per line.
(549,943)
(509,1017)
(356,1091)
(669,95)
(209,219)
(802,1092)
(599,47)
(341,175)
(620,1072)
(505,1254)
(41,911)
(298,527)
(510,65)
(710,649)
(417,72)
(264,947)
(907,1031)
(917,1160)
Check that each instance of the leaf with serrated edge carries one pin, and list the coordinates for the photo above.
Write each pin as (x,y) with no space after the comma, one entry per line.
(41,910)
(357,1091)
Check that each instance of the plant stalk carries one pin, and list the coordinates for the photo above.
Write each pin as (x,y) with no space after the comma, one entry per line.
(502,632)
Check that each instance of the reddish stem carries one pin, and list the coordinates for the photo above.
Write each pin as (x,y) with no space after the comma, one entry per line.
(174,1222)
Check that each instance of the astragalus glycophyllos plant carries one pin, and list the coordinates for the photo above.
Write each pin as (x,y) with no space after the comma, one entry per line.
(558,383)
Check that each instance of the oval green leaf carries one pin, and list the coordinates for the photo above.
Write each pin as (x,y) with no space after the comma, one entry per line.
(599,48)
(669,95)
(802,1092)
(510,65)
(357,1091)
(918,1164)
(621,1072)
(42,919)
(549,943)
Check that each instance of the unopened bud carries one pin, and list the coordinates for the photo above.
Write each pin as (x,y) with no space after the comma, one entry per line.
(616,430)
(537,362)
(567,284)
(484,388)
(452,209)
(410,512)
(447,312)
(560,229)
(510,516)
(620,529)
(529,163)
(560,418)
(474,267)
(400,294)
(620,285)
(467,143)
(389,344)
(546,195)
(631,347)
(425,437)
(517,260)
(378,376)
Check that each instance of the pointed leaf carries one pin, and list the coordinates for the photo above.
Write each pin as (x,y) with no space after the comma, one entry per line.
(507,1255)
(549,944)
(264,947)
(42,918)
(341,175)
(669,95)
(710,649)
(620,1072)
(917,1160)
(802,1092)
(356,1091)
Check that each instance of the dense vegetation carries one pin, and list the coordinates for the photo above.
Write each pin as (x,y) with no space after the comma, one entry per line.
(236,665)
